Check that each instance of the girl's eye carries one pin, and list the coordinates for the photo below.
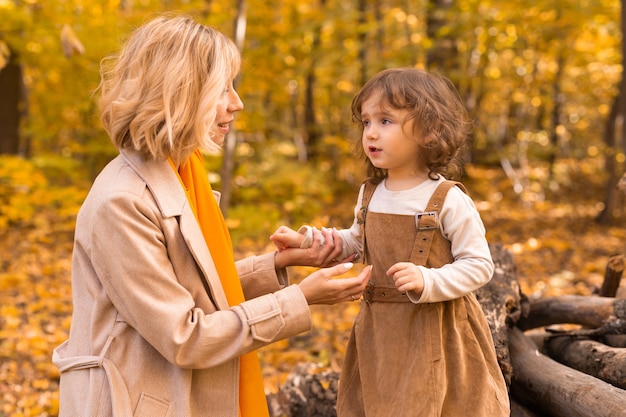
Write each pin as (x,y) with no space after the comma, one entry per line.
(366,122)
(386,121)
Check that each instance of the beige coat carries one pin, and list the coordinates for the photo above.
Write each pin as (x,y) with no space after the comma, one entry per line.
(152,333)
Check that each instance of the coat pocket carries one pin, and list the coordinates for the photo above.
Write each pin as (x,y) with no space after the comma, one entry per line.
(150,406)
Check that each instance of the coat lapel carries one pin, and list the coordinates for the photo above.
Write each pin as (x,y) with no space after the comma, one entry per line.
(172,202)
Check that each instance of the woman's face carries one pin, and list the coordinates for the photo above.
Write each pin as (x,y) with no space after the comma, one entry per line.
(228,104)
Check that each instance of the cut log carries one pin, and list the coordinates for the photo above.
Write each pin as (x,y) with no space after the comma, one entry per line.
(618,340)
(591,357)
(612,276)
(558,389)
(310,391)
(588,311)
(503,304)
(519,410)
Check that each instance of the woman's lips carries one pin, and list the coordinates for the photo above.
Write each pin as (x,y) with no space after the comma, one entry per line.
(224,127)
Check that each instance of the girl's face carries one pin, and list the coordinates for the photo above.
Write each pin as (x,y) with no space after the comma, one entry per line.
(228,104)
(388,141)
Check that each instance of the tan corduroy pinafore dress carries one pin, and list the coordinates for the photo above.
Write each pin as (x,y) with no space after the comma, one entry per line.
(417,360)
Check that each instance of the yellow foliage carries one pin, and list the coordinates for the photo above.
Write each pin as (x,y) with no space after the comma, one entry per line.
(558,249)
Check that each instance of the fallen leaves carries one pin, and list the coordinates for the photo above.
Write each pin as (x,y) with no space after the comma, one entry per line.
(558,249)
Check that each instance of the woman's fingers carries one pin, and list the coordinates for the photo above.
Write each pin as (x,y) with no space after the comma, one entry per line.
(321,288)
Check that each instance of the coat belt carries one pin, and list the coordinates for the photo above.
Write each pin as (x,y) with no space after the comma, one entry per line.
(119,393)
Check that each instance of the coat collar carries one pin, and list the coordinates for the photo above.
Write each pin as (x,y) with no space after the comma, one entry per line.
(162,181)
(171,199)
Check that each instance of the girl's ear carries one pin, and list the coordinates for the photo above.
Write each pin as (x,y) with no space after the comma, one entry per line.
(426,139)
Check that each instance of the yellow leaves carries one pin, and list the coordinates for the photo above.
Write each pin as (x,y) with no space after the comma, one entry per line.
(34,318)
(37,222)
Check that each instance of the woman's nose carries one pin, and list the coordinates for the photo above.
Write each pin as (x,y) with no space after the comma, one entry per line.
(235,104)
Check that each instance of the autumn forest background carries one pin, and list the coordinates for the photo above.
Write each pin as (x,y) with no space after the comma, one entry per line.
(541,79)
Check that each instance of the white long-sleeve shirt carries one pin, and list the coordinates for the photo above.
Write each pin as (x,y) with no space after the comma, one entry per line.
(459,222)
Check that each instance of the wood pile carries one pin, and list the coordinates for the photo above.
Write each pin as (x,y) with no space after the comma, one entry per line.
(561,356)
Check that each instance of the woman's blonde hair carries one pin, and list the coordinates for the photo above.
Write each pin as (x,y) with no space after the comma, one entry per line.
(159,95)
(438,113)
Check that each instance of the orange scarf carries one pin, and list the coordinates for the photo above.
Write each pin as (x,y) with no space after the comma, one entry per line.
(193,176)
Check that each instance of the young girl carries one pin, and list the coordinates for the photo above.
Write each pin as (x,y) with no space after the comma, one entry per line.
(420,345)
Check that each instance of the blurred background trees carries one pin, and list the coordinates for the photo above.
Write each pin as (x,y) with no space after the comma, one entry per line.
(539,78)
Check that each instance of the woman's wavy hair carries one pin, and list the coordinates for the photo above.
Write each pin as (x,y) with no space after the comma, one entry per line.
(159,95)
(440,121)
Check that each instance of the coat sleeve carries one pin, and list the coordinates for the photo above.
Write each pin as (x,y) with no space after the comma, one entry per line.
(259,276)
(130,257)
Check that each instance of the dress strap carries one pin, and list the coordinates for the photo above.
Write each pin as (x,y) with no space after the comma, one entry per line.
(427,222)
(368,191)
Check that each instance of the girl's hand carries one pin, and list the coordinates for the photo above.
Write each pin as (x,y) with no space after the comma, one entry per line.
(319,254)
(284,238)
(321,288)
(407,277)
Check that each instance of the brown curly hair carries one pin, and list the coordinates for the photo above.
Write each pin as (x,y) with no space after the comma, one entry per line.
(438,113)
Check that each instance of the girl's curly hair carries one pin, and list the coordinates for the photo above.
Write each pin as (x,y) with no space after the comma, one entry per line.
(440,121)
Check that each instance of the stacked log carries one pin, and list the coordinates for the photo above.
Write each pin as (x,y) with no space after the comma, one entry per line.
(575,370)
(579,370)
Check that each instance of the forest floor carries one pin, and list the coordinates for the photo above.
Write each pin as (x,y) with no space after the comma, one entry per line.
(557,246)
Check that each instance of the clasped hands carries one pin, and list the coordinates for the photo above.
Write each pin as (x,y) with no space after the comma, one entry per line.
(320,287)
(326,247)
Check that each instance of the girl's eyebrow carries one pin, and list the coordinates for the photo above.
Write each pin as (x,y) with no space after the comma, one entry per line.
(379,113)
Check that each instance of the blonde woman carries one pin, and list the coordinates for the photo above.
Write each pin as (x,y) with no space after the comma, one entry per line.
(165,322)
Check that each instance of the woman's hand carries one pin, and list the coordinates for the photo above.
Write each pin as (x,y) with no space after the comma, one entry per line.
(321,288)
(319,254)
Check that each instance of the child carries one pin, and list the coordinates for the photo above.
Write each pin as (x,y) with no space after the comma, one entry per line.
(420,345)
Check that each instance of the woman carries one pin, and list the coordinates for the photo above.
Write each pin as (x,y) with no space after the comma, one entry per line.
(165,322)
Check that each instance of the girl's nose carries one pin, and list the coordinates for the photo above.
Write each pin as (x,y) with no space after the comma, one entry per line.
(371,133)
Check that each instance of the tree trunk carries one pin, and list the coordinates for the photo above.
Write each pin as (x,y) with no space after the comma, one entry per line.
(613,137)
(11,94)
(558,389)
(230,142)
(443,52)
(502,303)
